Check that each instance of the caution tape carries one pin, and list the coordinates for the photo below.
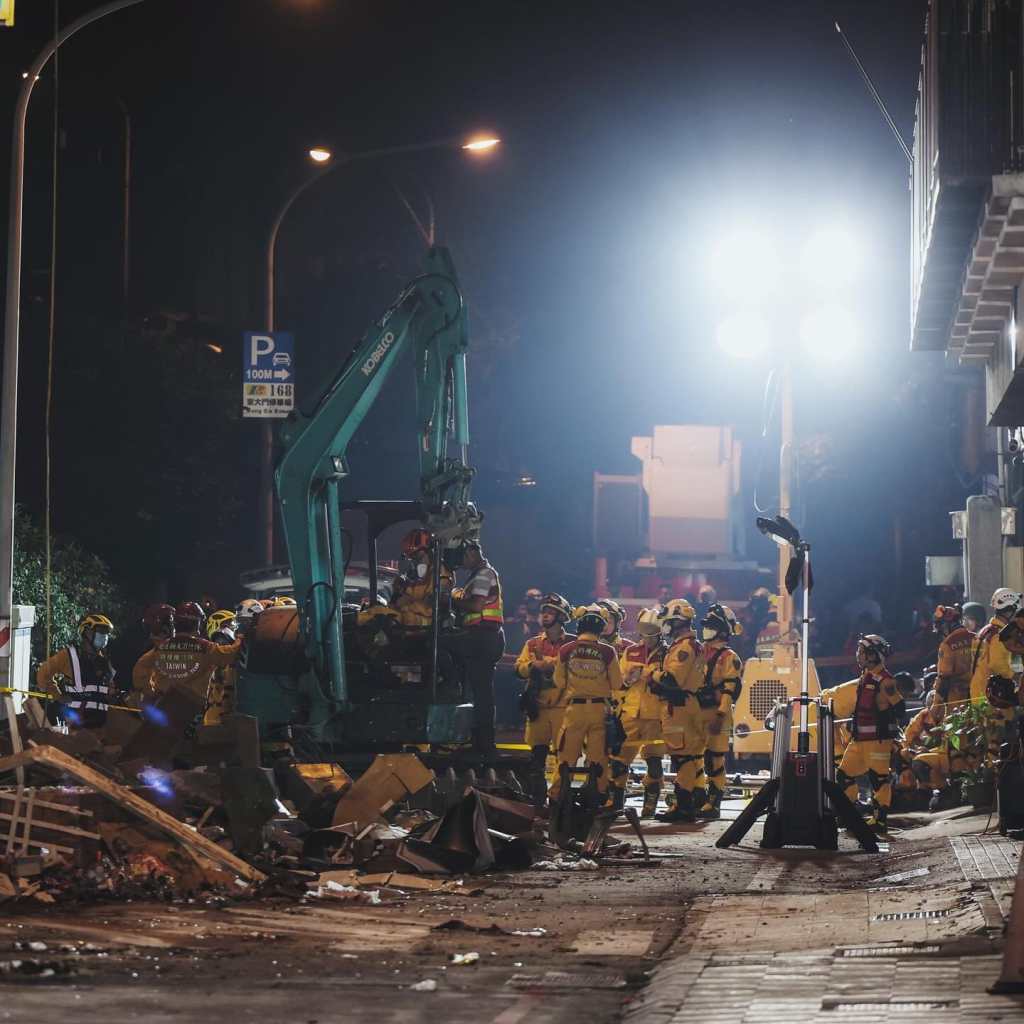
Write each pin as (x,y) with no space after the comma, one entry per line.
(58,700)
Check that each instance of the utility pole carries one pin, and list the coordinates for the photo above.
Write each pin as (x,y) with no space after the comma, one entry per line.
(12,324)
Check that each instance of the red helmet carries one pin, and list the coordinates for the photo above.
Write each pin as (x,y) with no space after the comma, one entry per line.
(189,617)
(416,541)
(158,620)
(947,617)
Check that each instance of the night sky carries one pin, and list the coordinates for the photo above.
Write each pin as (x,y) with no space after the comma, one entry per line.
(635,135)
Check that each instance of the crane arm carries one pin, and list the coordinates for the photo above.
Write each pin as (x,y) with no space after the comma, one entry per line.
(429,317)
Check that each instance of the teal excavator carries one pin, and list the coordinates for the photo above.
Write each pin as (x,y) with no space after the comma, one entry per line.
(328,678)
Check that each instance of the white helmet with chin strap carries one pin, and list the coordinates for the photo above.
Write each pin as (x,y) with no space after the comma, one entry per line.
(1005,601)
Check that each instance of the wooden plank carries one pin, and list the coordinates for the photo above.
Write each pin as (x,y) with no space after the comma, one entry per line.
(124,797)
(66,808)
(48,826)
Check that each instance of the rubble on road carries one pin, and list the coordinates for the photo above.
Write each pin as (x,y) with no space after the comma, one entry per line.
(106,823)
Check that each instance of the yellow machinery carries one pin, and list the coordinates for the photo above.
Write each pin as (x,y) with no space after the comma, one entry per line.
(767,680)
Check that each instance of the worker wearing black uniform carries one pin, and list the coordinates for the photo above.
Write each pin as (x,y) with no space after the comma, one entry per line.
(481,641)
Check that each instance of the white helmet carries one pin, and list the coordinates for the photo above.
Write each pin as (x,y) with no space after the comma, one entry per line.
(1005,600)
(247,608)
(648,622)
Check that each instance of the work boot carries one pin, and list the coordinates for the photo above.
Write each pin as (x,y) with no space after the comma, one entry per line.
(700,796)
(683,810)
(878,822)
(712,809)
(935,804)
(651,794)
(618,798)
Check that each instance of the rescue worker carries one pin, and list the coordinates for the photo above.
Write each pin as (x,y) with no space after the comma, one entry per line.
(873,729)
(413,596)
(953,664)
(222,629)
(640,713)
(588,671)
(542,701)
(676,685)
(974,616)
(158,622)
(187,659)
(481,642)
(612,634)
(927,750)
(989,654)
(86,672)
(722,681)
(991,657)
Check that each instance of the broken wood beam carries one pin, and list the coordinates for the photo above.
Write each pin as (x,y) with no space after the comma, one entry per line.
(129,801)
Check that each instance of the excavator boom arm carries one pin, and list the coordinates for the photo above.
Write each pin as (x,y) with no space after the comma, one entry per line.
(428,317)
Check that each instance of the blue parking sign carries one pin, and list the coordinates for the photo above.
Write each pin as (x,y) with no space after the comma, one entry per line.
(268,374)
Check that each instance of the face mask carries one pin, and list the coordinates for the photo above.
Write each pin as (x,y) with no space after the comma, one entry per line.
(666,630)
(708,634)
(421,570)
(100,640)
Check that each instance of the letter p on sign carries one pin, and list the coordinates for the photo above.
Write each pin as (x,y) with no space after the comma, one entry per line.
(262,345)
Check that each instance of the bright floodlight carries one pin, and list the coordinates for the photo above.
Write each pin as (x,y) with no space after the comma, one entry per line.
(480,145)
(743,335)
(319,155)
(829,334)
(745,263)
(831,257)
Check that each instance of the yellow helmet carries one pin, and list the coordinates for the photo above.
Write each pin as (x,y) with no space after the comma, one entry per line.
(592,618)
(220,620)
(284,602)
(678,609)
(94,621)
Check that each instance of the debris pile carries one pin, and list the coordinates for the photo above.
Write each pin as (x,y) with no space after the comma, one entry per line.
(88,821)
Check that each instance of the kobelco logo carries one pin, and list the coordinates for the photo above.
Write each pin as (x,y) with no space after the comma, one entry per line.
(378,354)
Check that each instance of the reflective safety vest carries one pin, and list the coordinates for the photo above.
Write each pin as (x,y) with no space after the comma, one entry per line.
(493,612)
(874,716)
(89,688)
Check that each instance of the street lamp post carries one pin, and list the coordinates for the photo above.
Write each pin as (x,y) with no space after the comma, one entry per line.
(828,262)
(12,323)
(325,162)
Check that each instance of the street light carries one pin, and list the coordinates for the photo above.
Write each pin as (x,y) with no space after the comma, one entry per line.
(481,145)
(12,324)
(744,335)
(745,260)
(745,263)
(325,162)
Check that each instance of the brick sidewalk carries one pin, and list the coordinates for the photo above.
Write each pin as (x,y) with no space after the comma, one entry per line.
(821,988)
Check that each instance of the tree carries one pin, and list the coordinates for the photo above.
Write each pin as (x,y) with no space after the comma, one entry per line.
(81,583)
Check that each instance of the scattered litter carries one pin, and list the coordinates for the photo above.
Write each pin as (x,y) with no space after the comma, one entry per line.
(564,864)
(337,891)
(901,877)
(426,985)
(531,933)
(464,959)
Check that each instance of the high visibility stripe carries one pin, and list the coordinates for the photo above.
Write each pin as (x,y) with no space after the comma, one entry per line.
(492,612)
(85,695)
